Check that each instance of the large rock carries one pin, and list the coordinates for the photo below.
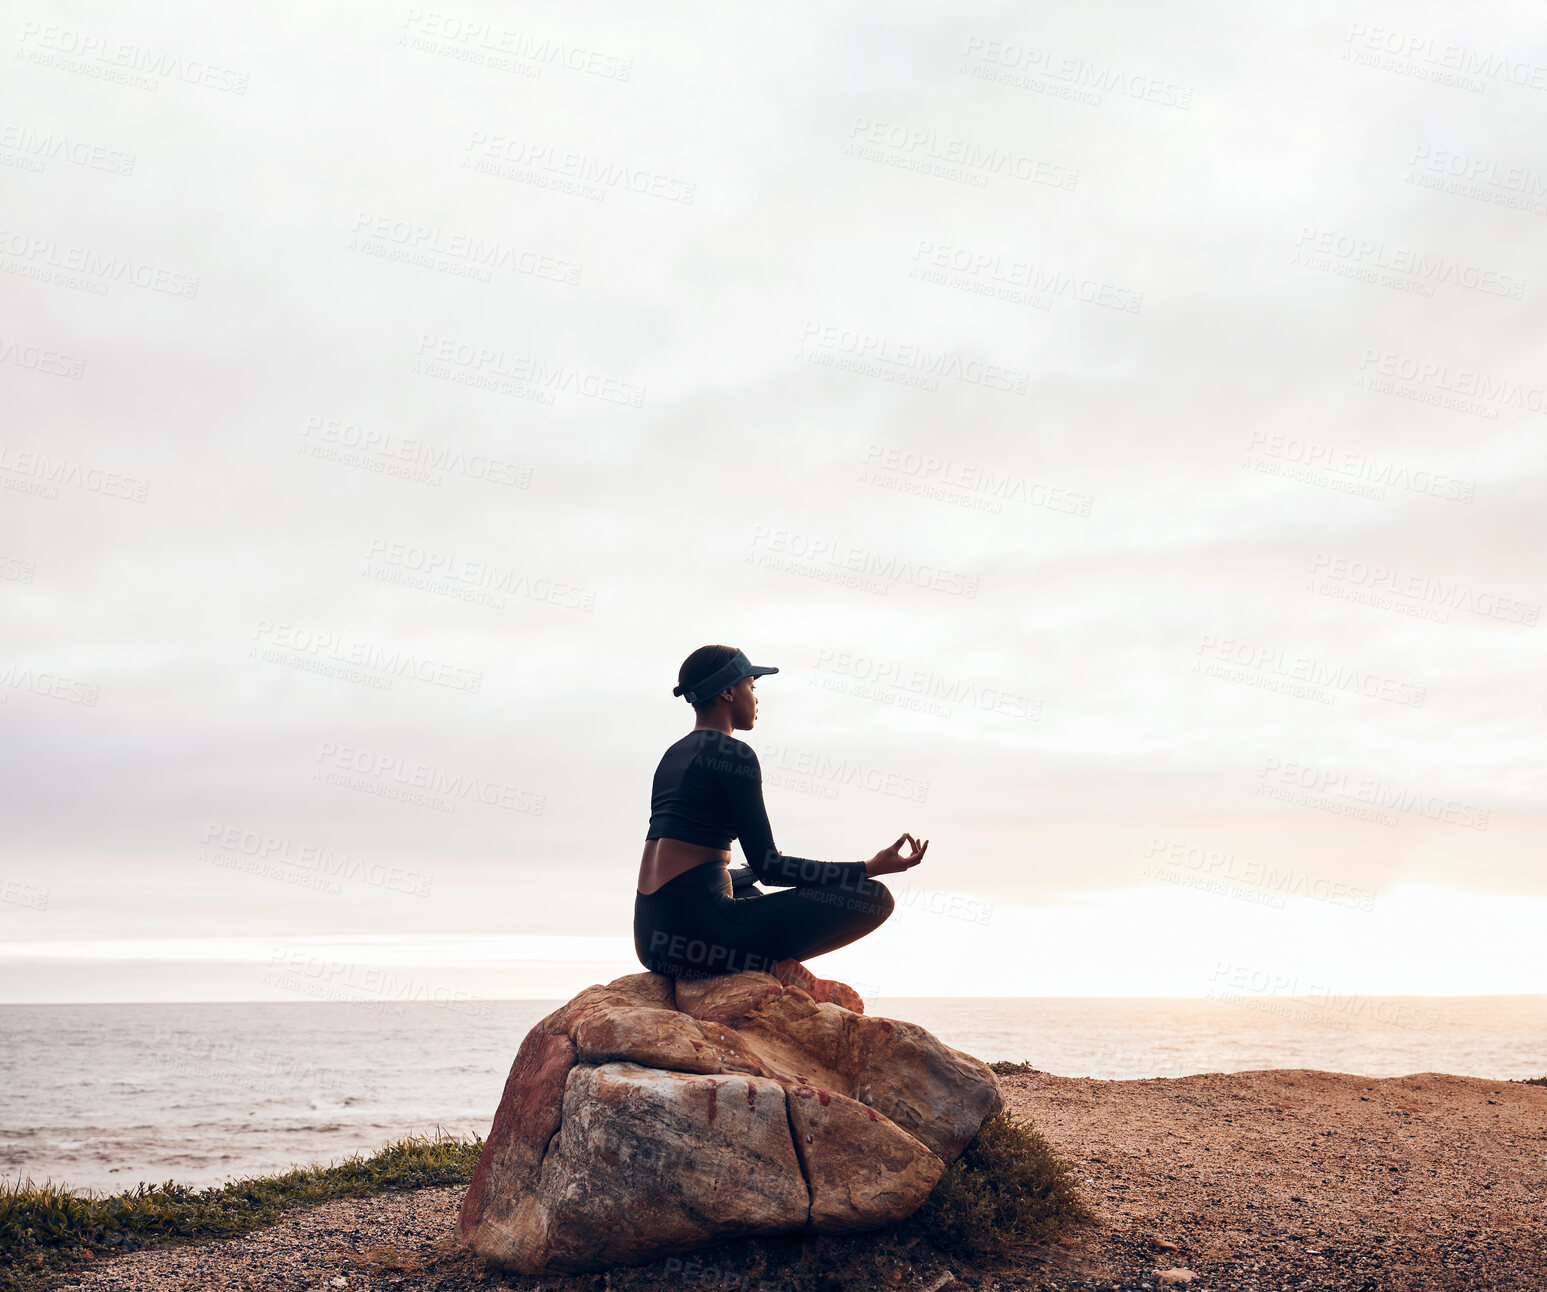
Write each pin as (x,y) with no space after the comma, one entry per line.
(650,1116)
(647,1159)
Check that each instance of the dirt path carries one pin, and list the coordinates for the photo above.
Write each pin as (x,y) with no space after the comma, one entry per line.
(1261,1180)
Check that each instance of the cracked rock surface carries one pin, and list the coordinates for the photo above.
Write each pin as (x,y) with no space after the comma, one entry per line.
(649,1116)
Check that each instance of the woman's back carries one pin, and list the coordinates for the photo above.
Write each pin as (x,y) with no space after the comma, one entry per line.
(687,797)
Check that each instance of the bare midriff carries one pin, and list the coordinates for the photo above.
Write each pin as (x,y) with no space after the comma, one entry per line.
(665,859)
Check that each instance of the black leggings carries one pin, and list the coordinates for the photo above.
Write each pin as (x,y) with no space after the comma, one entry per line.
(692,927)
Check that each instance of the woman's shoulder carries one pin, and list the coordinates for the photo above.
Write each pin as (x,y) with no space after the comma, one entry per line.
(718,744)
(710,736)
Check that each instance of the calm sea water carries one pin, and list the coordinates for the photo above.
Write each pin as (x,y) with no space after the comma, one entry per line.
(105,1096)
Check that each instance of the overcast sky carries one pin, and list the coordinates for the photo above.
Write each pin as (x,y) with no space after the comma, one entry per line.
(1124,431)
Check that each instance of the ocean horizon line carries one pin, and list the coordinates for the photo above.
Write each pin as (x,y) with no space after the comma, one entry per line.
(1223,997)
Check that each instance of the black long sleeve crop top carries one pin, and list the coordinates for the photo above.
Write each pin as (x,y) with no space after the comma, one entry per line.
(708,789)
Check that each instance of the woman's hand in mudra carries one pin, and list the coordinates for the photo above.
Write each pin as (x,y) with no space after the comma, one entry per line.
(893,861)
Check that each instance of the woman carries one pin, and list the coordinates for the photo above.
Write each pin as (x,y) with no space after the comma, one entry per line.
(689,921)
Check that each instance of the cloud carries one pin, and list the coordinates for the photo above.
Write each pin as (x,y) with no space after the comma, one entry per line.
(1088,414)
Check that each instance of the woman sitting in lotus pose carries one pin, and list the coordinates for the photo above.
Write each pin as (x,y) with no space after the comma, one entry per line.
(693,917)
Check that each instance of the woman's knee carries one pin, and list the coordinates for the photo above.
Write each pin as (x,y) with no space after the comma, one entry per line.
(881,901)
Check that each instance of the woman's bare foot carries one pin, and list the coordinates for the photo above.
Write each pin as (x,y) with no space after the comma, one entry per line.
(825,991)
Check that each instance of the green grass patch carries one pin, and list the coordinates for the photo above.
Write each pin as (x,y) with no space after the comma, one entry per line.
(44,1227)
(1008,1190)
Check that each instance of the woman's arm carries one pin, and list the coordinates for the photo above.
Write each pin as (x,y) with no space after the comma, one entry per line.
(742,784)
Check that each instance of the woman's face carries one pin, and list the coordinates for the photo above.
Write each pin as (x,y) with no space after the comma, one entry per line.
(744,704)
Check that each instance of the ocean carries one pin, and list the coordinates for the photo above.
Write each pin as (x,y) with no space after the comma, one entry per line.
(107,1096)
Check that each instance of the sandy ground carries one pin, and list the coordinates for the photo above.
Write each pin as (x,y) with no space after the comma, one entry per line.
(1259,1180)
(1299,1179)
